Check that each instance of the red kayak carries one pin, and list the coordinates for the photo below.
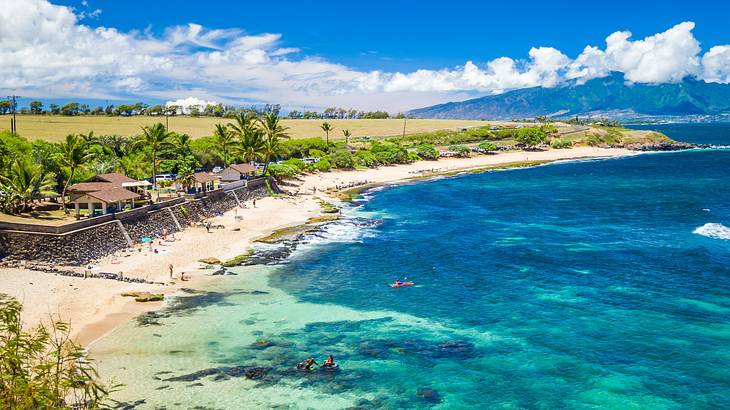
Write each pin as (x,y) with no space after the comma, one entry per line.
(401,284)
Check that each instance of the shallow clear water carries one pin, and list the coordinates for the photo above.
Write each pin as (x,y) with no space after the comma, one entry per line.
(573,285)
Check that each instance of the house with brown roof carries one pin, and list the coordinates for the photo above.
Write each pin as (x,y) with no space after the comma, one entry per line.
(237,172)
(110,191)
(200,183)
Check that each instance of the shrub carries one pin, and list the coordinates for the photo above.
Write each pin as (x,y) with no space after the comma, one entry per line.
(461,150)
(389,153)
(341,159)
(283,171)
(315,153)
(366,158)
(557,143)
(531,137)
(427,152)
(487,146)
(296,163)
(323,165)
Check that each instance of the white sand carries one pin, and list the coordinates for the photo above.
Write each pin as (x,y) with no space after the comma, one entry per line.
(95,307)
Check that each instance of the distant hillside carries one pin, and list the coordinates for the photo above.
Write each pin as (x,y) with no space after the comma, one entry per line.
(609,96)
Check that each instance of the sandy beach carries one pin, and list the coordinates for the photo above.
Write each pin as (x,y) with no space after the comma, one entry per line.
(94,306)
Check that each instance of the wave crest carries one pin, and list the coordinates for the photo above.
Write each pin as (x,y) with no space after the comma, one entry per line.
(714,231)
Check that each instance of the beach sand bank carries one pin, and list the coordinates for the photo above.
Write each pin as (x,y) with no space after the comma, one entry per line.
(95,306)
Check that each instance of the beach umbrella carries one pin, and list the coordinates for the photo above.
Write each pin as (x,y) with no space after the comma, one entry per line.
(146,239)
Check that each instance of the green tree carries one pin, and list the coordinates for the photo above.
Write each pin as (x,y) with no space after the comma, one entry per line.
(250,140)
(427,152)
(327,127)
(531,137)
(487,146)
(73,154)
(224,142)
(155,138)
(273,132)
(5,106)
(42,368)
(25,182)
(36,107)
(347,134)
(71,108)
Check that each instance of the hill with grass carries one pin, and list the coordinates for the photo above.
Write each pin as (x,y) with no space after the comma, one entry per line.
(611,97)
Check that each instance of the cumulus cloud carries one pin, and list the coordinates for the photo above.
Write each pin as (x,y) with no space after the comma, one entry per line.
(48,52)
(185,105)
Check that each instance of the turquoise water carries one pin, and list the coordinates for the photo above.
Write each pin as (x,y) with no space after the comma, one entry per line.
(597,284)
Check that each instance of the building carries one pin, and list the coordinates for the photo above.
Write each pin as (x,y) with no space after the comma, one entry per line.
(201,182)
(112,192)
(237,172)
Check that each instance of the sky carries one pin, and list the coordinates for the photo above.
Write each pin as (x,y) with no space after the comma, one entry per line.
(393,55)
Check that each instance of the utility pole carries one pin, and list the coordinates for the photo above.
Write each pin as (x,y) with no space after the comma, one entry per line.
(167,122)
(405,120)
(13,106)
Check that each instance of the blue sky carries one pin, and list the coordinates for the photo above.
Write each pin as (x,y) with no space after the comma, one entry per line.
(394,55)
(408,35)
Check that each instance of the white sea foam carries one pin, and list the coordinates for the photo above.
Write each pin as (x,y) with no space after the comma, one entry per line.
(714,231)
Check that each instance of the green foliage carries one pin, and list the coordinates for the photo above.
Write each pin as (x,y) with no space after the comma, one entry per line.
(307,147)
(366,159)
(487,146)
(388,153)
(283,171)
(557,143)
(461,150)
(323,165)
(427,152)
(445,137)
(531,137)
(43,368)
(341,159)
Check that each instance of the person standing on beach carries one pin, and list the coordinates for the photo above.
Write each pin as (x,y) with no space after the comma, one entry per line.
(254,202)
(169,267)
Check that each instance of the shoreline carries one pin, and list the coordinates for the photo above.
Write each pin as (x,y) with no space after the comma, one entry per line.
(98,309)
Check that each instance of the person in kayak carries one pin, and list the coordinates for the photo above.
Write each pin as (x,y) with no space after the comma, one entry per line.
(329,362)
(308,363)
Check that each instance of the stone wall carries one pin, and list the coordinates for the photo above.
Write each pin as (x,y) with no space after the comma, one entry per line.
(83,246)
(74,248)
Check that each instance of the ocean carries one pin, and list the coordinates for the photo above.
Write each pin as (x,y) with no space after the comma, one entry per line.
(582,284)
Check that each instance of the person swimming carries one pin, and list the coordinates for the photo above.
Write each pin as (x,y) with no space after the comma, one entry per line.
(307,364)
(329,362)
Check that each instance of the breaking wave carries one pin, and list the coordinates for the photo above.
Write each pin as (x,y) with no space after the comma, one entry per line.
(714,231)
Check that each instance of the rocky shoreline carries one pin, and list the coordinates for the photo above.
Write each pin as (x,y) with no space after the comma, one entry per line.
(667,146)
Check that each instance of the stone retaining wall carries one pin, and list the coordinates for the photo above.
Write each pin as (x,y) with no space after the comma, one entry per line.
(85,245)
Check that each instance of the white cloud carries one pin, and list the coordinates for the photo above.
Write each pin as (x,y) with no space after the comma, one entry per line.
(47,52)
(185,105)
(716,64)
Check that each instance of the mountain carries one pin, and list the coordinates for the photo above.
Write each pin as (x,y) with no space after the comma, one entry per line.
(609,96)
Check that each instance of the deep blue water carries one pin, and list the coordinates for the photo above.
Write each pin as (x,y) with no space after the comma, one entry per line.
(569,285)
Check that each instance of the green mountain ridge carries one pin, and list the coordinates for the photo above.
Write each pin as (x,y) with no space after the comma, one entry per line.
(608,95)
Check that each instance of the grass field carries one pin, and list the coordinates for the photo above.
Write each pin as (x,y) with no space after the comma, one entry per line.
(54,127)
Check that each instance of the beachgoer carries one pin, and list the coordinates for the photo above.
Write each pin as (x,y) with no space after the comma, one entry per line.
(254,203)
(330,361)
(182,276)
(308,363)
(164,233)
(207,227)
(169,267)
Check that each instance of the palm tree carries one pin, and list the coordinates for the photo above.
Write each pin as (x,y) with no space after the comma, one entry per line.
(274,132)
(327,127)
(271,126)
(155,137)
(251,146)
(245,122)
(271,149)
(73,154)
(223,142)
(180,150)
(347,134)
(25,182)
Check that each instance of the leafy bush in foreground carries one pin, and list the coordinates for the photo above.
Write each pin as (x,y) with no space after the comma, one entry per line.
(42,367)
(487,146)
(341,159)
(323,165)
